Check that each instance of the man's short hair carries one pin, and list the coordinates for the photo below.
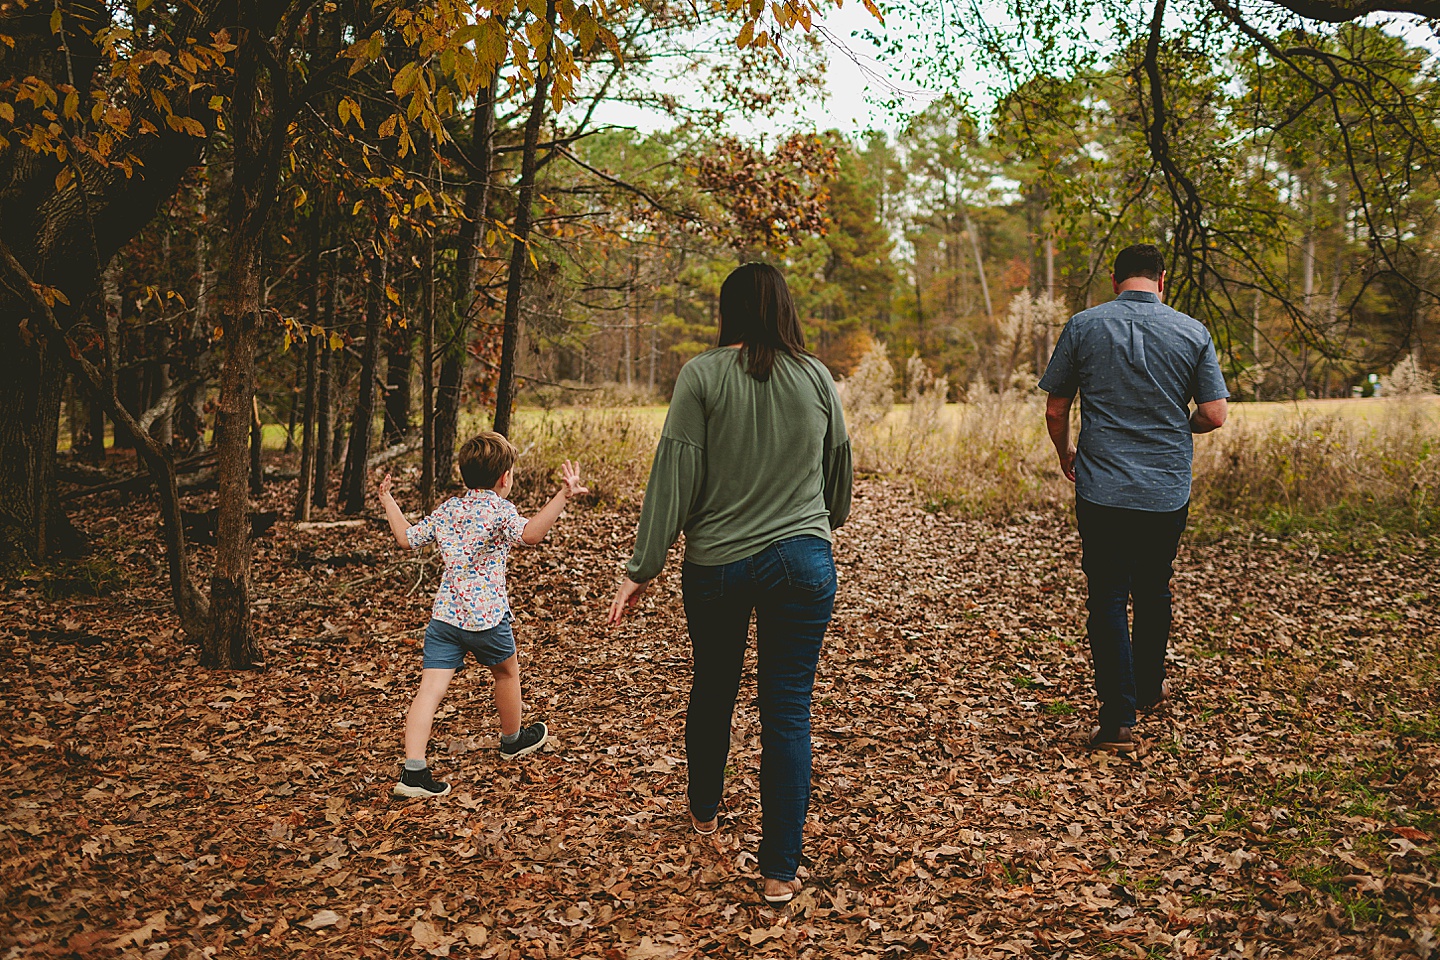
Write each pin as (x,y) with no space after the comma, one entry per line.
(1139,260)
(484,460)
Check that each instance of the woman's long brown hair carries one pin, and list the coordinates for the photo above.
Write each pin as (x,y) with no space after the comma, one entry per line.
(756,310)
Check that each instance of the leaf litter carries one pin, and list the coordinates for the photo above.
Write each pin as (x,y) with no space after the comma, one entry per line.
(1284,805)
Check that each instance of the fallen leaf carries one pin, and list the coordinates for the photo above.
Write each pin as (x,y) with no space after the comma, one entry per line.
(153,924)
(322,919)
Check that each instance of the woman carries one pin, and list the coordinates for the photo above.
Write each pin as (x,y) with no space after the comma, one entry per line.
(754,467)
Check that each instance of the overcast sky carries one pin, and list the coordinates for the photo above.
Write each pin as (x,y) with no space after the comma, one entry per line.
(857,83)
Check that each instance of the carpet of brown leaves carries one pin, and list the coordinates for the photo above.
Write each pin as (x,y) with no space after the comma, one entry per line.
(1284,806)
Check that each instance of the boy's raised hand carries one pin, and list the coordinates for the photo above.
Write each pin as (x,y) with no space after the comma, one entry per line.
(385,484)
(570,477)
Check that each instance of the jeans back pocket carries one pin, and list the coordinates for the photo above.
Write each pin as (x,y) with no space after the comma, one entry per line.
(809,563)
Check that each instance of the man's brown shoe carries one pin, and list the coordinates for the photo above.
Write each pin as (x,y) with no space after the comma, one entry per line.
(1157,704)
(1120,741)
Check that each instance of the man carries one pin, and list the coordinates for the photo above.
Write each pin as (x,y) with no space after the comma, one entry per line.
(1137,365)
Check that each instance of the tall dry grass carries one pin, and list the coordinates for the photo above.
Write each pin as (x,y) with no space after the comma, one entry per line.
(614,447)
(1287,469)
(989,456)
(1307,469)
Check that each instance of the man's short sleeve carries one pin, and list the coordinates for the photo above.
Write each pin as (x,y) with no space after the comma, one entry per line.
(512,525)
(1209,380)
(422,532)
(1061,377)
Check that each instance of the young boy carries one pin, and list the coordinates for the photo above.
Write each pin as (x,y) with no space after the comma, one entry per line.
(472,613)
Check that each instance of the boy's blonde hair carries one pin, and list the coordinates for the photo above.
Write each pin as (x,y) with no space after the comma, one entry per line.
(485,458)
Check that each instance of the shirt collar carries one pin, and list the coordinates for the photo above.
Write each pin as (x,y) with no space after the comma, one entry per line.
(479,494)
(1140,296)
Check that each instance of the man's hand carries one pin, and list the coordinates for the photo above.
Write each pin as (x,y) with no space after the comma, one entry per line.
(1057,424)
(1067,461)
(1209,416)
(570,480)
(626,597)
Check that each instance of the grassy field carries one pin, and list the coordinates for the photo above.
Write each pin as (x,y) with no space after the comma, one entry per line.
(1368,409)
(1354,468)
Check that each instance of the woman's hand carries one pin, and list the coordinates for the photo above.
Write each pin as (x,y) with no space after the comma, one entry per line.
(627,596)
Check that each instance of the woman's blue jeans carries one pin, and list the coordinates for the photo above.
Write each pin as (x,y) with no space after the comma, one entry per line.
(790,587)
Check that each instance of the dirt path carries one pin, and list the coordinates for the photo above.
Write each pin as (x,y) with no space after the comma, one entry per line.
(1286,805)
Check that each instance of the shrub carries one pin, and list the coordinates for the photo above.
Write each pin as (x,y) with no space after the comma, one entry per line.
(987,456)
(1407,379)
(1325,470)
(869,393)
(1026,323)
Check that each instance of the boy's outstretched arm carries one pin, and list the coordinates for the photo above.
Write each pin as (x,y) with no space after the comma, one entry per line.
(393,513)
(539,525)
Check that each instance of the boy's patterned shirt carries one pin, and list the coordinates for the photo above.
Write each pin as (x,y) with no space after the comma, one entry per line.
(474,533)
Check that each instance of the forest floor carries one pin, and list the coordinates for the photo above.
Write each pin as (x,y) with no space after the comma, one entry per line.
(1285,805)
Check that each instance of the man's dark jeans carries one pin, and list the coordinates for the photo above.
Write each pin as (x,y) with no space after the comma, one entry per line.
(790,587)
(1128,556)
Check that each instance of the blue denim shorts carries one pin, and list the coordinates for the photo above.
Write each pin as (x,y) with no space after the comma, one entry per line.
(446,644)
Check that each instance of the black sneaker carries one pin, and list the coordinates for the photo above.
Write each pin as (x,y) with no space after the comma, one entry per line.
(531,738)
(419,783)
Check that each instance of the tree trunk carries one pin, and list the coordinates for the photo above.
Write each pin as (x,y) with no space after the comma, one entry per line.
(356,476)
(123,380)
(296,392)
(520,247)
(467,274)
(1049,266)
(94,448)
(162,428)
(325,400)
(257,449)
(190,413)
(397,387)
(161,380)
(427,372)
(339,377)
(305,489)
(979,260)
(654,343)
(324,429)
(70,402)
(231,641)
(447,417)
(31,385)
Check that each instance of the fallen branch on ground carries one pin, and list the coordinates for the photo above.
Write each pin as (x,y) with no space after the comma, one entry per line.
(309,525)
